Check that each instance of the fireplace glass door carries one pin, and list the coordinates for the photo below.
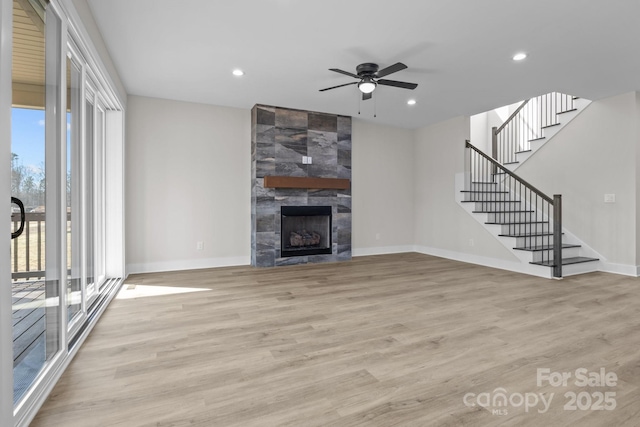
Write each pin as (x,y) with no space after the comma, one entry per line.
(306,230)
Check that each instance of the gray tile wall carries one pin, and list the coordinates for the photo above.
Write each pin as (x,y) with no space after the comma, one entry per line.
(279,139)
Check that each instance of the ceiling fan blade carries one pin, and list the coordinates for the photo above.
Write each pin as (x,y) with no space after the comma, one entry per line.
(403,85)
(366,96)
(346,73)
(334,87)
(391,69)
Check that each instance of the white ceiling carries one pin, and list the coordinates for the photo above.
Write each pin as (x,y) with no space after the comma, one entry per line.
(458,51)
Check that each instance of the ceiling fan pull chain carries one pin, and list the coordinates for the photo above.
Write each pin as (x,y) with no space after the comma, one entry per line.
(375,107)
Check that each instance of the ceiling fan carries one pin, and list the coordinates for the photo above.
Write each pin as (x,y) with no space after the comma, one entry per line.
(370,77)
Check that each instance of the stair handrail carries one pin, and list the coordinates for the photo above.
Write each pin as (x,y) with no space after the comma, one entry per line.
(526,126)
(512,116)
(507,171)
(555,201)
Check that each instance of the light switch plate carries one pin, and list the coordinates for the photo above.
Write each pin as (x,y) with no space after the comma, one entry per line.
(609,198)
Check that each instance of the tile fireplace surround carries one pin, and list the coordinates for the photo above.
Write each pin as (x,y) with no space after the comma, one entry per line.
(280,137)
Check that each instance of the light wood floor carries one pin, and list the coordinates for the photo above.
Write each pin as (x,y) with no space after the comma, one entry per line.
(378,341)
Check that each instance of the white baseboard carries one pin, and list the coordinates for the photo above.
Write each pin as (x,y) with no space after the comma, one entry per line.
(514,266)
(189,264)
(623,269)
(383,250)
(154,267)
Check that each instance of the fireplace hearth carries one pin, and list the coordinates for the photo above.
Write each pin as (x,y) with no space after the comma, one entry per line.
(306,230)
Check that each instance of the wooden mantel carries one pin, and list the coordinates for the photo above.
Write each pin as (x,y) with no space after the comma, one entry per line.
(306,182)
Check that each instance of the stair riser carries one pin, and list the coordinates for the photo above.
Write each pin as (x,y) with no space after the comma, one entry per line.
(533,241)
(514,217)
(483,186)
(581,268)
(524,228)
(545,255)
(497,206)
(486,197)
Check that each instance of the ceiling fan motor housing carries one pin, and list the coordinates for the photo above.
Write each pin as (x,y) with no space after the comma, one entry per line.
(367,69)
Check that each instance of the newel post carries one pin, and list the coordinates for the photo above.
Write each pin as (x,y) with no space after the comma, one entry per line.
(557,235)
(494,145)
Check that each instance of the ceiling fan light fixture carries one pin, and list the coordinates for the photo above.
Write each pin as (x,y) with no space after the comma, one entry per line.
(367,85)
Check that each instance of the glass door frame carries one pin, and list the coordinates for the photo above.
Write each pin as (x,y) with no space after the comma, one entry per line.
(55,245)
(6,332)
(110,100)
(74,143)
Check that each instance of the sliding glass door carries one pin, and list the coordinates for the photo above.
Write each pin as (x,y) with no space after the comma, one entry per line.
(35,184)
(58,181)
(84,190)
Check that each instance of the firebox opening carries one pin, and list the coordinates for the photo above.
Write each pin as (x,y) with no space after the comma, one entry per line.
(306,230)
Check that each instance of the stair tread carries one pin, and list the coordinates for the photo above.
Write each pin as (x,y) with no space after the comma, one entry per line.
(566,261)
(527,235)
(518,223)
(484,182)
(550,126)
(491,201)
(567,111)
(502,212)
(538,139)
(482,191)
(544,247)
(510,163)
(523,151)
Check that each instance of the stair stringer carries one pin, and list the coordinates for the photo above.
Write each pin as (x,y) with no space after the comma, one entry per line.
(525,258)
(548,133)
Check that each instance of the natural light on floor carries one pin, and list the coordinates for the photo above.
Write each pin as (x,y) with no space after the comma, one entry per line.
(129,291)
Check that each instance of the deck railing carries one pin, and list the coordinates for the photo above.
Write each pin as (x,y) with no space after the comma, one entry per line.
(27,251)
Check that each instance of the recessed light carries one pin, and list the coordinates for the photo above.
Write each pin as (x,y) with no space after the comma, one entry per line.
(411,102)
(238,72)
(519,56)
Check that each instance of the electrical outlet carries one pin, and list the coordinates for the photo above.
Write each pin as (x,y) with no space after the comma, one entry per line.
(377,236)
(471,242)
(609,198)
(200,245)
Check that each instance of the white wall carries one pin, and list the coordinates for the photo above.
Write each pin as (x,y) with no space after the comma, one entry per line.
(442,227)
(595,154)
(482,124)
(188,180)
(189,161)
(382,189)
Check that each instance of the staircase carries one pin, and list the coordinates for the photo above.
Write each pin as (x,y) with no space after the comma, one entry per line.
(532,125)
(524,219)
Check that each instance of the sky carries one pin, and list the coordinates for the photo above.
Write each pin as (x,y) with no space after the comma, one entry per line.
(27,137)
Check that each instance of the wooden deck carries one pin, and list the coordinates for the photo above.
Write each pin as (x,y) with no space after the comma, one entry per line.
(28,317)
(28,333)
